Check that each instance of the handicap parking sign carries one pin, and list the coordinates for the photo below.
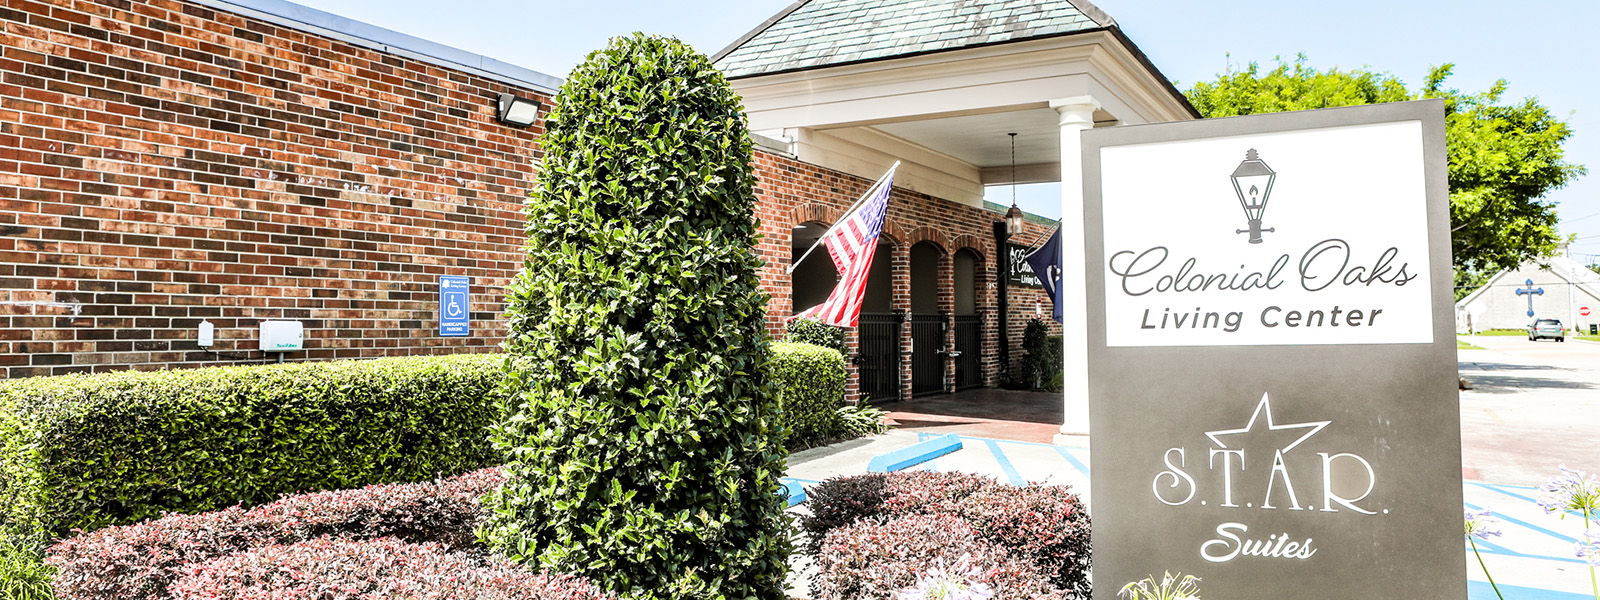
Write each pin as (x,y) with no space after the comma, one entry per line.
(455,309)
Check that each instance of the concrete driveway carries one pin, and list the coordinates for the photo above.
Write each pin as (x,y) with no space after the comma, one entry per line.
(1533,406)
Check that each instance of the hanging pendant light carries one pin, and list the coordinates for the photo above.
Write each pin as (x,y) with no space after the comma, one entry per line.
(1013,216)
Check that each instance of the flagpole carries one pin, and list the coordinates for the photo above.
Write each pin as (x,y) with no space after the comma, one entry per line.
(1035,245)
(870,190)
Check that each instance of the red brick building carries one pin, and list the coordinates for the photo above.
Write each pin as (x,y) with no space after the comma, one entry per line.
(168,162)
(845,88)
(164,162)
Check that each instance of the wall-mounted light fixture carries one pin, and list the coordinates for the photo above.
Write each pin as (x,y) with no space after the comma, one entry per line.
(516,111)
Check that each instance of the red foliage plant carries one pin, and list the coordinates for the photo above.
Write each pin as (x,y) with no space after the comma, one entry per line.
(840,501)
(911,492)
(1046,524)
(380,569)
(875,558)
(140,561)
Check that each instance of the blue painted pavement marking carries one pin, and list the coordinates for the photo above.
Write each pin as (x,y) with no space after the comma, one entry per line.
(1528,525)
(1076,464)
(914,454)
(1504,489)
(1066,453)
(1478,590)
(793,489)
(1005,463)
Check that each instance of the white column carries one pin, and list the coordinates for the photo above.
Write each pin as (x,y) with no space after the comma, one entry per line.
(1077,114)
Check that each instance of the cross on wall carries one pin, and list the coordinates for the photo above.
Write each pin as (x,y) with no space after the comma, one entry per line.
(1529,292)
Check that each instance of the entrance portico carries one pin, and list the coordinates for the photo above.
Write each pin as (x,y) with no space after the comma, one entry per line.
(846,87)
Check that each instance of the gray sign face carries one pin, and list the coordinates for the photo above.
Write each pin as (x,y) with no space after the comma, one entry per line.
(1273,399)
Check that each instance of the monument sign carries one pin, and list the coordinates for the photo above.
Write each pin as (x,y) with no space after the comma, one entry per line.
(1271,357)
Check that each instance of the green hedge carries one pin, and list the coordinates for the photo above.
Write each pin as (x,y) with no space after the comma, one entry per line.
(1041,365)
(810,381)
(88,451)
(812,331)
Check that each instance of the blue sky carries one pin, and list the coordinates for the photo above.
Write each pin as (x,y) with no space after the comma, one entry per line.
(1550,50)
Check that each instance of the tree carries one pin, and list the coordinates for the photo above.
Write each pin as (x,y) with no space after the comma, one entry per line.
(1468,281)
(643,444)
(1503,158)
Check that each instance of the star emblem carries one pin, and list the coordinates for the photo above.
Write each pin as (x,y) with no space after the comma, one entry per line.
(1265,407)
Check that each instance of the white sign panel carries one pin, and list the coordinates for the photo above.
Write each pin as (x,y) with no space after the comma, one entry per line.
(1305,237)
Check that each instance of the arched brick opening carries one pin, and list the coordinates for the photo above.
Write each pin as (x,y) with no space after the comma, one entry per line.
(968,327)
(812,280)
(812,211)
(930,235)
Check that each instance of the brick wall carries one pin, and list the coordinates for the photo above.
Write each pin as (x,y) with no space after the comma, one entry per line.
(792,192)
(163,163)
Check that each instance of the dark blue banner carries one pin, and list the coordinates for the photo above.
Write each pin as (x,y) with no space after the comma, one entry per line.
(1046,263)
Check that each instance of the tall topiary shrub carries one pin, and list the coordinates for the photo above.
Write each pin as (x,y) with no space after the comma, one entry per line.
(644,450)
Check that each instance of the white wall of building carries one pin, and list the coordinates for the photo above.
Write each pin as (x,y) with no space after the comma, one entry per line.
(1567,286)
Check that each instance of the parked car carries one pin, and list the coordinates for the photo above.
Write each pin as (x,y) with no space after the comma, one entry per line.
(1547,328)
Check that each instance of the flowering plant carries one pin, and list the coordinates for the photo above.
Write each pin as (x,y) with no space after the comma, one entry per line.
(1481,524)
(1574,490)
(955,582)
(1172,587)
(1589,548)
(1577,491)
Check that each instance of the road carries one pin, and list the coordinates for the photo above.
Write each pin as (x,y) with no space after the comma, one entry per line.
(1533,407)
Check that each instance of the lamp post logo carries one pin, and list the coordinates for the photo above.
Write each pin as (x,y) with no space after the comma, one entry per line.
(1252,182)
(1347,481)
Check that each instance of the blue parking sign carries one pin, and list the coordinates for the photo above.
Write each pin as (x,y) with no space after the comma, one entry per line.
(455,314)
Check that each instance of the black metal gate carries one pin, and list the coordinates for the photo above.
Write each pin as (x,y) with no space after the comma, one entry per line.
(927,354)
(878,356)
(969,345)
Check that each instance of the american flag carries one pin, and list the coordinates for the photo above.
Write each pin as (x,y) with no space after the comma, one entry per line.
(851,244)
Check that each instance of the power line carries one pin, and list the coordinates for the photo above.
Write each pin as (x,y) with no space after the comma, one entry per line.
(1580,218)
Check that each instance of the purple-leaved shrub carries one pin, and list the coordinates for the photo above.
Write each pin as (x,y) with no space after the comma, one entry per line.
(380,569)
(1044,526)
(875,558)
(141,561)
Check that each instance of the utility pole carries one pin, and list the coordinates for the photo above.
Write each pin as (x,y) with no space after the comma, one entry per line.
(1572,280)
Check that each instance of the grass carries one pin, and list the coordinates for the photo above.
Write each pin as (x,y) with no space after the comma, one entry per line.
(1460,345)
(1521,332)
(23,574)
(1589,338)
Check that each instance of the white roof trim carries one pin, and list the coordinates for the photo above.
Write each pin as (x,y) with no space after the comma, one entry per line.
(362,34)
(1561,266)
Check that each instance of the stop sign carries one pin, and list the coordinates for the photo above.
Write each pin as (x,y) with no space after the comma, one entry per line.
(1583,310)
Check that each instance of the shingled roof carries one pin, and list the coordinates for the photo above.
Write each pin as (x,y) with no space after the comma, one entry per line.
(818,33)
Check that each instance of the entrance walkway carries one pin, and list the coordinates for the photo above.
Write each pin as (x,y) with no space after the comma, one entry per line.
(982,412)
